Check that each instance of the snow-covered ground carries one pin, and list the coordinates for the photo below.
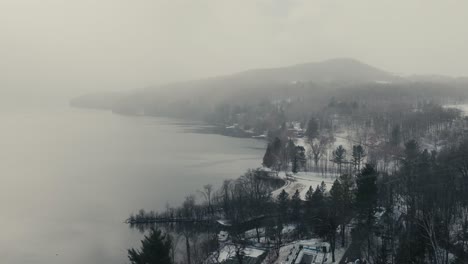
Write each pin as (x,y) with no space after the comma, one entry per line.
(251,235)
(293,252)
(301,181)
(342,137)
(229,251)
(461,107)
(345,139)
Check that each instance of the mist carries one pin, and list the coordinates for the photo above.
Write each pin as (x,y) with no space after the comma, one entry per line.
(74,47)
(240,131)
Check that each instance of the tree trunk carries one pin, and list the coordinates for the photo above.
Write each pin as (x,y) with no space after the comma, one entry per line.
(258,234)
(368,246)
(239,257)
(333,242)
(187,245)
(343,234)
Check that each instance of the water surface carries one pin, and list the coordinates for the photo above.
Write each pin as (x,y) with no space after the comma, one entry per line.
(70,177)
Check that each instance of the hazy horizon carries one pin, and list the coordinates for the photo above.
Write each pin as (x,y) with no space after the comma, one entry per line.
(75,47)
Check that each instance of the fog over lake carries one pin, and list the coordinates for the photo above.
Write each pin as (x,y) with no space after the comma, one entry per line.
(70,177)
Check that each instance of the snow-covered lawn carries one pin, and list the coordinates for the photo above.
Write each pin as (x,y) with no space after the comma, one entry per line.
(293,252)
(344,138)
(229,251)
(251,234)
(301,181)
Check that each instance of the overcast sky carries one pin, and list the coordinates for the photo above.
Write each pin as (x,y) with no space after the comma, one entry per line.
(99,45)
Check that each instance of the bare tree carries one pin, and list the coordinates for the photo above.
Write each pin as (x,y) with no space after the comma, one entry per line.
(206,193)
(318,147)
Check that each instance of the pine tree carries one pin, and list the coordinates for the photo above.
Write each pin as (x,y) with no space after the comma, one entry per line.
(366,199)
(296,204)
(339,157)
(347,184)
(395,137)
(309,193)
(366,196)
(283,204)
(334,214)
(155,248)
(290,152)
(323,187)
(358,157)
(269,158)
(308,204)
(295,164)
(299,159)
(336,194)
(318,198)
(301,156)
(312,130)
(325,214)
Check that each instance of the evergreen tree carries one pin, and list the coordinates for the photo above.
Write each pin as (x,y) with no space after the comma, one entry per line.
(336,195)
(366,196)
(366,200)
(271,159)
(295,165)
(358,157)
(347,184)
(339,157)
(312,130)
(334,215)
(299,159)
(309,193)
(317,202)
(325,214)
(395,137)
(308,215)
(323,187)
(301,156)
(290,152)
(155,249)
(296,204)
(283,204)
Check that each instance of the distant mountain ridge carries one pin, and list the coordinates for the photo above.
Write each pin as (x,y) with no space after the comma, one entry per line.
(342,69)
(250,86)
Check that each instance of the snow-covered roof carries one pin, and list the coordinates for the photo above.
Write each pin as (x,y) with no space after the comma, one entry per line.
(224,222)
(228,252)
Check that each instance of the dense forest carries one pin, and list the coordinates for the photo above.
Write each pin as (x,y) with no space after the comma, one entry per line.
(393,188)
(359,165)
(417,214)
(263,98)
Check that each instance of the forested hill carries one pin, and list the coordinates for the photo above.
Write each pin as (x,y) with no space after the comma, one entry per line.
(336,72)
(313,84)
(330,71)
